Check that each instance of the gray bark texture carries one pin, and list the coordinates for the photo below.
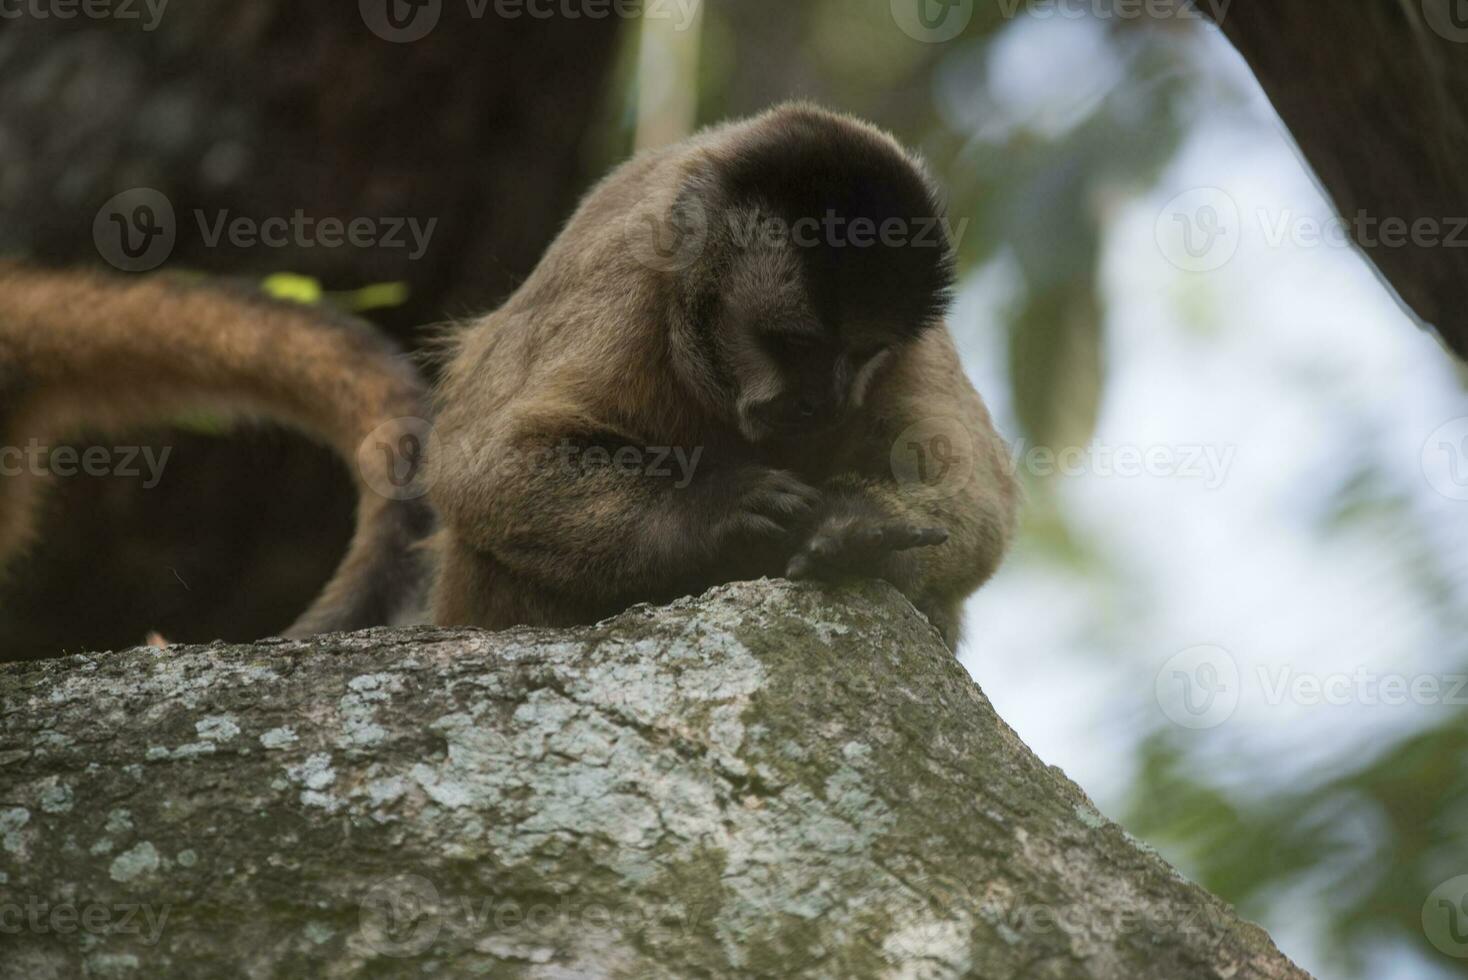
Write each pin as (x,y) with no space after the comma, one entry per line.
(1375,93)
(772,780)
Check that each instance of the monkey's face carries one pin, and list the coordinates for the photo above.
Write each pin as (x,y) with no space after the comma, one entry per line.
(794,372)
(827,252)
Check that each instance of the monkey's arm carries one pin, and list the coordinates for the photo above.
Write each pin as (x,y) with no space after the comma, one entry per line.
(928,462)
(560,518)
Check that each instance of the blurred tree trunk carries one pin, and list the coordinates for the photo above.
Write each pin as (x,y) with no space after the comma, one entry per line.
(270,107)
(1376,95)
(261,110)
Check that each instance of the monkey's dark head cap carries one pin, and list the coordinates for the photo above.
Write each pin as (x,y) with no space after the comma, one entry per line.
(867,222)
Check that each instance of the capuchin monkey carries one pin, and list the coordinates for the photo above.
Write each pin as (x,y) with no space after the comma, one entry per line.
(763,303)
(731,363)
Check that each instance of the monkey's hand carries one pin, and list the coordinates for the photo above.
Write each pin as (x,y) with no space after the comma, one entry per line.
(858,542)
(767,504)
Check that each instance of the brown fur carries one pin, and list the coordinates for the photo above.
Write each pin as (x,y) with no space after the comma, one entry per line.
(792,370)
(597,350)
(109,353)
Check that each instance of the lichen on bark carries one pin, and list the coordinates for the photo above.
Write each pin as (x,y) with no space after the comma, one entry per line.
(768,780)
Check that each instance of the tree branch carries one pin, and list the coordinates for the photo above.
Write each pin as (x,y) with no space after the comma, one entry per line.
(1375,93)
(770,780)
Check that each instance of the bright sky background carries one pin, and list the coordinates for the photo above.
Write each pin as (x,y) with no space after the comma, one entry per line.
(1294,364)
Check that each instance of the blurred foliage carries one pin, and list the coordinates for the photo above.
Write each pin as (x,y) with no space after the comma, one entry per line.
(307,290)
(1411,800)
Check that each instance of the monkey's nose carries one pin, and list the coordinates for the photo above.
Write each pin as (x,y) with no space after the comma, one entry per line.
(806,408)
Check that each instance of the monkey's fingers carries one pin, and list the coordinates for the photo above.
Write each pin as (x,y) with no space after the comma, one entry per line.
(758,526)
(774,497)
(807,564)
(903,537)
(858,548)
(869,540)
(800,567)
(787,491)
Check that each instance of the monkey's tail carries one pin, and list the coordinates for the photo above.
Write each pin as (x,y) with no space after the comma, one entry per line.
(79,350)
